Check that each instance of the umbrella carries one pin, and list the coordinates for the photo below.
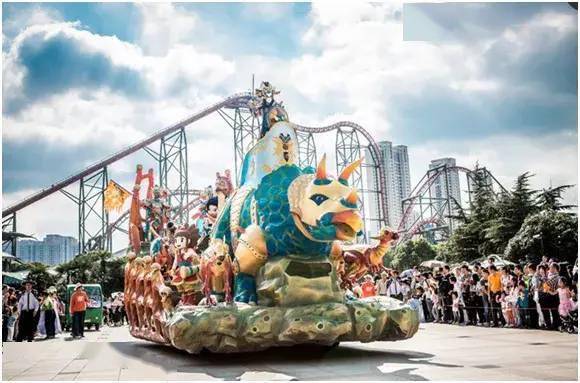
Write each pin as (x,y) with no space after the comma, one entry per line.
(499,262)
(432,263)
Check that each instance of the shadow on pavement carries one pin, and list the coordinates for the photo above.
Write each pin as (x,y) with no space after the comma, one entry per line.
(304,362)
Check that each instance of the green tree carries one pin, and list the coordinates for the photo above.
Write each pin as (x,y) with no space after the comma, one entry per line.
(411,253)
(94,267)
(549,232)
(40,276)
(469,241)
(511,211)
(551,198)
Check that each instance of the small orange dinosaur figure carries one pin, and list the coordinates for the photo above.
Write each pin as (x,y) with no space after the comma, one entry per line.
(353,261)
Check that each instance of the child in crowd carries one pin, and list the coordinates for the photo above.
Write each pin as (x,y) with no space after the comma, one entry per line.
(522,304)
(566,303)
(12,323)
(436,310)
(455,307)
(416,304)
(506,309)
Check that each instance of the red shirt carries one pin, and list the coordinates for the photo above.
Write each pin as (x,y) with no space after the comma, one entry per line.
(78,301)
(368,289)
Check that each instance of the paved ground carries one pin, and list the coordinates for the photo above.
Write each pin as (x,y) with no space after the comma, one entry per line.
(437,352)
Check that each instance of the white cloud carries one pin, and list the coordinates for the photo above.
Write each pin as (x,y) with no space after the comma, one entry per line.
(164,26)
(269,11)
(353,64)
(71,119)
(28,16)
(552,158)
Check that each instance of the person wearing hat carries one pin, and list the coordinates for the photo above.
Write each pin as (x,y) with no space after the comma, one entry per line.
(27,308)
(78,306)
(49,322)
(394,287)
(368,287)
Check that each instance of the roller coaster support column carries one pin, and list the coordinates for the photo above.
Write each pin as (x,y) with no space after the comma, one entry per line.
(9,224)
(92,213)
(348,150)
(173,171)
(246,129)
(306,149)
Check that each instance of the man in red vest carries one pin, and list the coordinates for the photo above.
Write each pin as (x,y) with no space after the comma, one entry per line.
(78,306)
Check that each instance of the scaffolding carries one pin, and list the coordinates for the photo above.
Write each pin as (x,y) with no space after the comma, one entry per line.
(93,219)
(306,149)
(431,214)
(9,225)
(95,231)
(246,128)
(172,162)
(348,150)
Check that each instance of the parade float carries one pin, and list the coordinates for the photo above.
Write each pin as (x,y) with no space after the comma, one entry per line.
(267,264)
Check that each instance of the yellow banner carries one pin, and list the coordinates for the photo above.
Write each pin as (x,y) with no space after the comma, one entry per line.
(115,196)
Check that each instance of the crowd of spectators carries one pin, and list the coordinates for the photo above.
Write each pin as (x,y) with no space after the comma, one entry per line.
(27,313)
(525,296)
(114,311)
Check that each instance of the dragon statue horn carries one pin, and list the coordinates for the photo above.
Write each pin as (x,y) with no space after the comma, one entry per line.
(349,169)
(321,168)
(352,197)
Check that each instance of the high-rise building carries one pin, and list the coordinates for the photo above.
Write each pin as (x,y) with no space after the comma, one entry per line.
(398,184)
(53,250)
(446,187)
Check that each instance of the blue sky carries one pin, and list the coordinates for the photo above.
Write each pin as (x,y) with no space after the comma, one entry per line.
(488,83)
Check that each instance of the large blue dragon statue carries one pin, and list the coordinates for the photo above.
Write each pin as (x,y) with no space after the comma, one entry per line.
(281,229)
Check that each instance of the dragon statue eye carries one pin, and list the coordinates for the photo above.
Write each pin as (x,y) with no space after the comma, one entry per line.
(318,198)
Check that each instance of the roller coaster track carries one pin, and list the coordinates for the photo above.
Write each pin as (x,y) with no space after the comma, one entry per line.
(418,227)
(229,102)
(409,229)
(421,188)
(235,101)
(116,225)
(373,147)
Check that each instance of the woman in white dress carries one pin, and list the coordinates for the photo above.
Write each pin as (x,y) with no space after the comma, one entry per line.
(49,321)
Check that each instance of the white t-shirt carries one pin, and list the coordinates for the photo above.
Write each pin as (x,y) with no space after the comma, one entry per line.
(382,287)
(28,302)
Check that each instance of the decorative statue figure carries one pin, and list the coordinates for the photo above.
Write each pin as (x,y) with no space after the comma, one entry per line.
(139,295)
(154,302)
(301,213)
(223,189)
(134,318)
(275,250)
(128,284)
(205,224)
(352,262)
(186,266)
(136,231)
(157,214)
(166,302)
(265,102)
(147,299)
(217,274)
(162,249)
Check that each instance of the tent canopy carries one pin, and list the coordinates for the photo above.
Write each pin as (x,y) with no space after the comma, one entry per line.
(14,278)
